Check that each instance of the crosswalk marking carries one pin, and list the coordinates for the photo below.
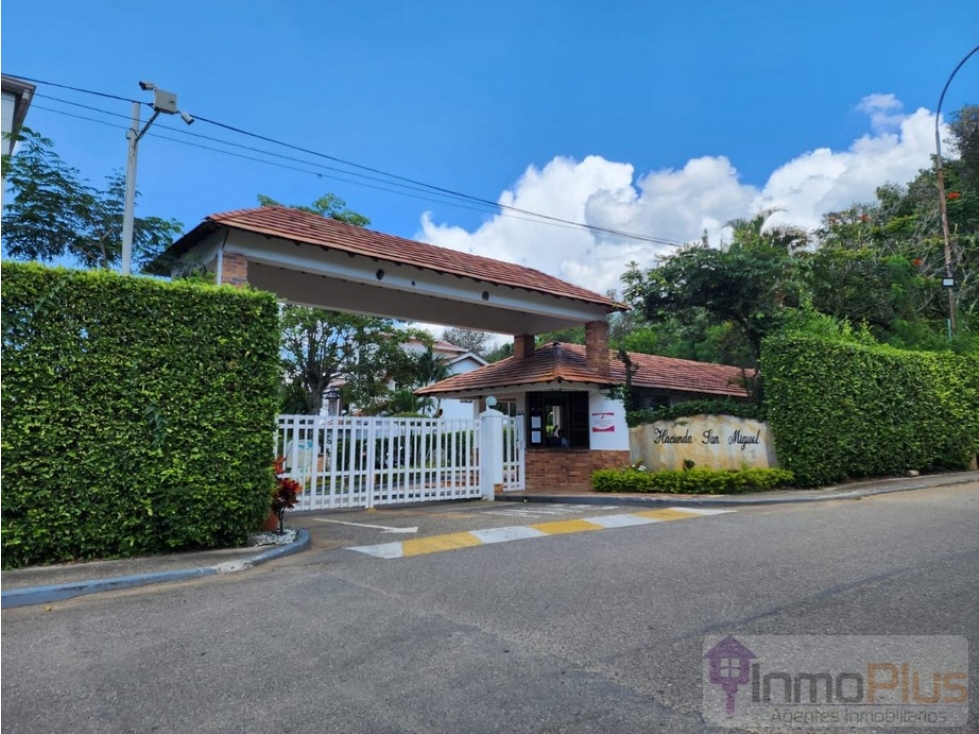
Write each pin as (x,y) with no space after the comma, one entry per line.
(551,509)
(472,538)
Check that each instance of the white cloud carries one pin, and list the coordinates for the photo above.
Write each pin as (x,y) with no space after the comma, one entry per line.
(679,205)
(884,110)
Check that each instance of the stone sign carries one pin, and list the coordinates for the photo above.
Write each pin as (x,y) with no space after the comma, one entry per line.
(709,441)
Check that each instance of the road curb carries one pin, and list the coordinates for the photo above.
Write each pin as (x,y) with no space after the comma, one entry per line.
(29,596)
(727,501)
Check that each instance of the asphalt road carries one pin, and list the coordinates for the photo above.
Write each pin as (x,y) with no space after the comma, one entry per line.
(582,632)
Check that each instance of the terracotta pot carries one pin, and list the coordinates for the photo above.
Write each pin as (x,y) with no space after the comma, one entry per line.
(271,523)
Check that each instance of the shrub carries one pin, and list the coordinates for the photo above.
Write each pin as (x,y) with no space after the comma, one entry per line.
(690,481)
(729,406)
(138,416)
(844,410)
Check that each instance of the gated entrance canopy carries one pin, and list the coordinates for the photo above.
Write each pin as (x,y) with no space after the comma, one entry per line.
(307,259)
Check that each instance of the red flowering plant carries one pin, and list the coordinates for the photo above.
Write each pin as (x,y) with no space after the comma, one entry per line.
(286,492)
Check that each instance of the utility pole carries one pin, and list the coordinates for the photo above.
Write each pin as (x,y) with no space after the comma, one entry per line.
(163,102)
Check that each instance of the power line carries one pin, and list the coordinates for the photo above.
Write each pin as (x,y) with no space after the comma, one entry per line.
(317,174)
(592,227)
(397,180)
(77,89)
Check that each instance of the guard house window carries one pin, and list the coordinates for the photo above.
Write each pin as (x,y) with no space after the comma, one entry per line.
(557,420)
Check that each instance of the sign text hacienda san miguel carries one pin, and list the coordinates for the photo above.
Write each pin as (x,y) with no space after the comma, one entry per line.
(710,437)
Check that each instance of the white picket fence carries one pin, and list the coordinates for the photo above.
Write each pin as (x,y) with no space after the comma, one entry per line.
(367,461)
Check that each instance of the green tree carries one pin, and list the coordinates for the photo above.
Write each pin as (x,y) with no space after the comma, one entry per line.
(499,352)
(425,368)
(753,234)
(745,287)
(883,262)
(54,213)
(471,340)
(365,353)
(330,206)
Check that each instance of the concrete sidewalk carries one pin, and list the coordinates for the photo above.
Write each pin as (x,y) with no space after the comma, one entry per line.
(47,584)
(851,491)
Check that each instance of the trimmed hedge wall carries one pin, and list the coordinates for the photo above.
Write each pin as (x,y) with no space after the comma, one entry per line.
(690,481)
(138,416)
(841,411)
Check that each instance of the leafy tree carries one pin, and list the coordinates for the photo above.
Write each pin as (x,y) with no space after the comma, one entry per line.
(746,287)
(364,352)
(426,368)
(502,351)
(330,206)
(569,335)
(883,262)
(753,234)
(471,340)
(964,129)
(55,213)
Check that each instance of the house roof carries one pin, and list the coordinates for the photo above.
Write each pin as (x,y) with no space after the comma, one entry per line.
(24,92)
(559,362)
(312,229)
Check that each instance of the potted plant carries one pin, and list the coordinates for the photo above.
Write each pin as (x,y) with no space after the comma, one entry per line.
(283,498)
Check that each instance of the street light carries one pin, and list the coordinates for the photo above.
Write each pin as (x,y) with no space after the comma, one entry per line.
(163,102)
(948,282)
(334,401)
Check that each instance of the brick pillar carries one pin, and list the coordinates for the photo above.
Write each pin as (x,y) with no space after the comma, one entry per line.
(523,345)
(234,269)
(596,347)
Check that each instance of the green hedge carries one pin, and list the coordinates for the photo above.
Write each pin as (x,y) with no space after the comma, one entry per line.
(722,406)
(841,410)
(138,416)
(690,481)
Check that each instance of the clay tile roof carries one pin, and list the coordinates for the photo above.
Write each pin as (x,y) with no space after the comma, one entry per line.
(558,362)
(313,229)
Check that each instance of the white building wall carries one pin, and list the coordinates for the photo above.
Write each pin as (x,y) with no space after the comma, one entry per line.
(9,104)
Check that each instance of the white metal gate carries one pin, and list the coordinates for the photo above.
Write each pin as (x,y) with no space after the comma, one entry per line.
(369,461)
(363,462)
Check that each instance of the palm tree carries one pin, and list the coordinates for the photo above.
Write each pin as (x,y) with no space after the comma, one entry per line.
(752,233)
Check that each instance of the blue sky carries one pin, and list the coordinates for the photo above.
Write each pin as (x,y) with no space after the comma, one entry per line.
(661,118)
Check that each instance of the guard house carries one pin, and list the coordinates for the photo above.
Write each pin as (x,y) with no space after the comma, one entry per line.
(571,400)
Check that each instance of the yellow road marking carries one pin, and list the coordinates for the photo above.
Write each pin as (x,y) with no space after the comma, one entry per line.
(566,526)
(437,543)
(667,514)
(454,541)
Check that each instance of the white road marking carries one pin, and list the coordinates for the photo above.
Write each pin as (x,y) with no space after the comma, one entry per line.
(382,528)
(620,521)
(502,535)
(386,550)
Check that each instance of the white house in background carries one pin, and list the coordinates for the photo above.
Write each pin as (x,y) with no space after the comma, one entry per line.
(459,361)
(17,96)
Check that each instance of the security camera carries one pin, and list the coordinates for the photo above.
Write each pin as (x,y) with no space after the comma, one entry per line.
(147,86)
(186,118)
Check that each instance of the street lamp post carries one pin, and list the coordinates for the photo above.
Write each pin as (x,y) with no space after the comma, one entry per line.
(163,102)
(948,282)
